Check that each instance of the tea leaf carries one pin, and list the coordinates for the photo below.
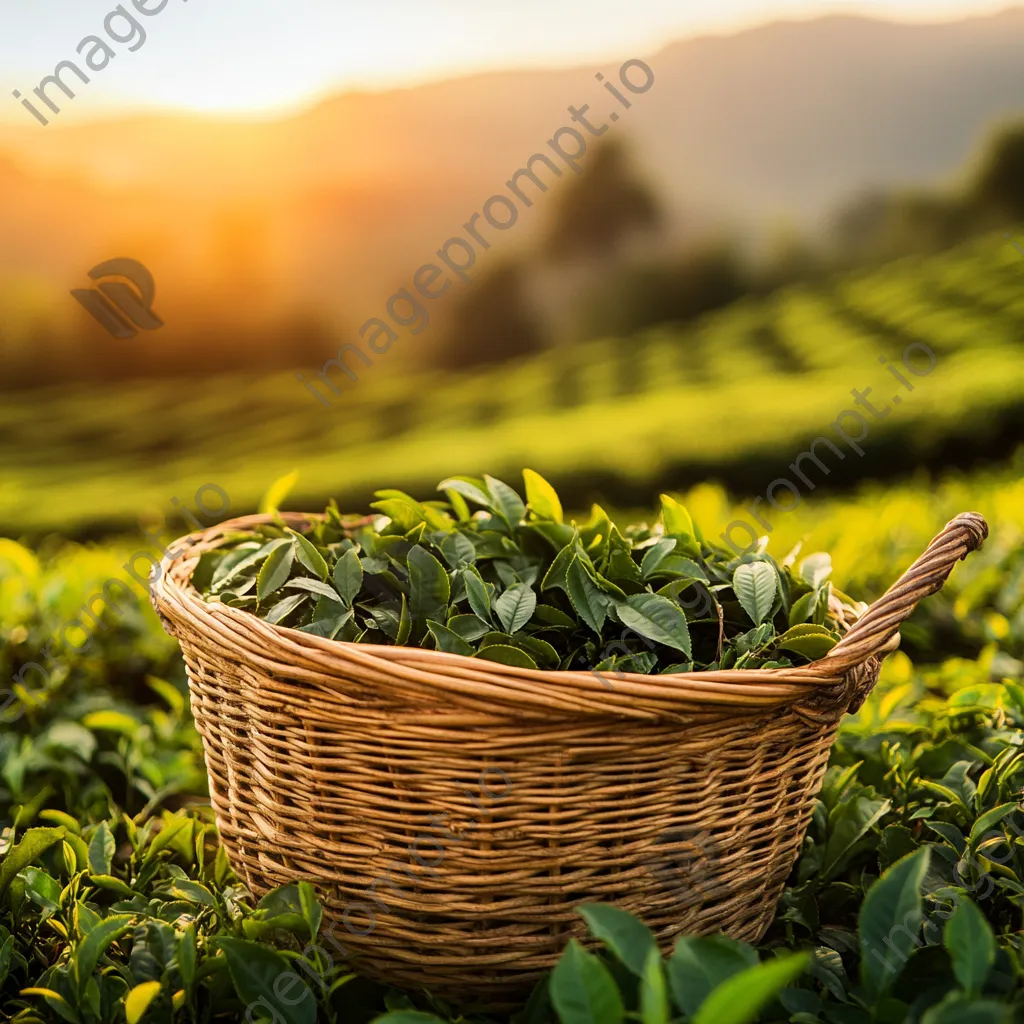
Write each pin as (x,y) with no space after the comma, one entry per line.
(314,587)
(101,850)
(755,584)
(676,519)
(890,918)
(506,655)
(656,618)
(542,497)
(256,973)
(582,989)
(32,845)
(740,999)
(275,571)
(504,501)
(309,556)
(348,576)
(477,594)
(284,608)
(626,936)
(590,604)
(430,588)
(515,607)
(448,640)
(138,1000)
(467,487)
(971,946)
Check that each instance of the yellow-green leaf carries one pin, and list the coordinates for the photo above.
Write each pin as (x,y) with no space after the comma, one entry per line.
(138,1000)
(542,497)
(270,503)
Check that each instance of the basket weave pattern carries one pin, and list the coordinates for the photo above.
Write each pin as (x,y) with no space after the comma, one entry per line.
(683,799)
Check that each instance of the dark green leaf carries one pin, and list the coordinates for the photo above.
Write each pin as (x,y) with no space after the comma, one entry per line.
(582,989)
(255,970)
(890,918)
(625,935)
(656,618)
(504,501)
(429,587)
(971,946)
(515,607)
(590,603)
(506,655)
(309,556)
(275,570)
(448,640)
(740,999)
(348,576)
(699,965)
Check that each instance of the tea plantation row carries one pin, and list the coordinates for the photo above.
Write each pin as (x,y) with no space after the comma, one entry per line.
(737,395)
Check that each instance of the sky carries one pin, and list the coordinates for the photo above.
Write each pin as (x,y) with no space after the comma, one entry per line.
(254,57)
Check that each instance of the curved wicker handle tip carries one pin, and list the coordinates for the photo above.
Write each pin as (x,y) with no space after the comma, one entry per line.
(882,620)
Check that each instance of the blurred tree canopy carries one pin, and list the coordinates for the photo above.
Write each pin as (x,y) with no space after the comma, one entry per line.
(998,186)
(595,212)
(662,290)
(494,322)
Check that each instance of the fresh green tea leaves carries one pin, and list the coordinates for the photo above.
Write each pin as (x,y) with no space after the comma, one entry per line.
(429,587)
(971,945)
(755,585)
(309,556)
(448,640)
(348,576)
(515,607)
(101,850)
(431,573)
(506,655)
(257,974)
(583,990)
(458,550)
(890,919)
(275,571)
(810,641)
(542,497)
(626,936)
(676,519)
(656,618)
(590,603)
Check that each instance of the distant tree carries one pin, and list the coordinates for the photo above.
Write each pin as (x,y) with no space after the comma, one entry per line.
(998,184)
(494,323)
(597,210)
(653,292)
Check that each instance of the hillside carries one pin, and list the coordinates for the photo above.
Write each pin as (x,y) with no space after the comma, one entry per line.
(339,199)
(620,417)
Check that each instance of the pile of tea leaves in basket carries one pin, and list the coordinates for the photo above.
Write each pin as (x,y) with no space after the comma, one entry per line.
(487,575)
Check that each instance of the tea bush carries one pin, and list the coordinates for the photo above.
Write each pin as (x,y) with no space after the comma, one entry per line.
(514,583)
(117,904)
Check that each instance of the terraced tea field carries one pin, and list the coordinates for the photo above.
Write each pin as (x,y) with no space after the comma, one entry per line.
(736,395)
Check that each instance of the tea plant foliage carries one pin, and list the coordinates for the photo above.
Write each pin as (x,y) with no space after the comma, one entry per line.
(488,575)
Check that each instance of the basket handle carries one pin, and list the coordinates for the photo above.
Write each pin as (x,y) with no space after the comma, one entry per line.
(880,623)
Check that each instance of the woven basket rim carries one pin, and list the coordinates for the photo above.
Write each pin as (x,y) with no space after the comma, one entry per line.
(300,655)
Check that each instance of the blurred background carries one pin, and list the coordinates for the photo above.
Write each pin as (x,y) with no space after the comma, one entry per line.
(805,188)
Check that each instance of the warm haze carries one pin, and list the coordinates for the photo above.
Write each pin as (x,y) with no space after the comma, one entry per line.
(254,57)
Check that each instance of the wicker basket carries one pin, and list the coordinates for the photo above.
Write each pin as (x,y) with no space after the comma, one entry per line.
(683,799)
